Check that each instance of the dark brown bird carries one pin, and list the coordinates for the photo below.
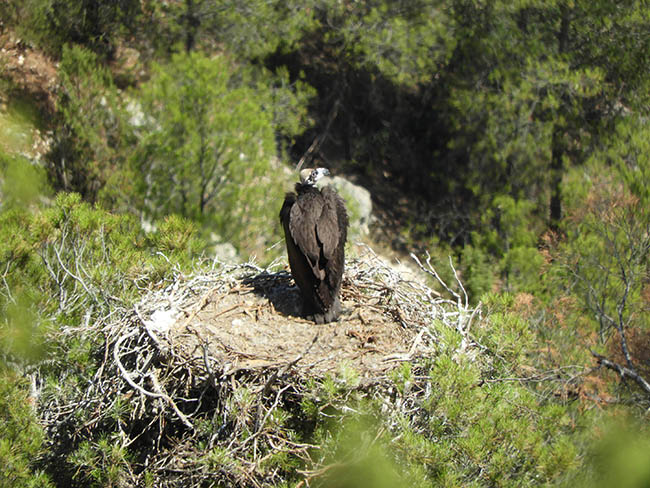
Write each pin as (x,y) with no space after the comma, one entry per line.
(315,228)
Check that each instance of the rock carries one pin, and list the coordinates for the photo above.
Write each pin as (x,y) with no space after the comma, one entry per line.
(137,117)
(359,203)
(226,252)
(162,320)
(223,251)
(147,225)
(126,65)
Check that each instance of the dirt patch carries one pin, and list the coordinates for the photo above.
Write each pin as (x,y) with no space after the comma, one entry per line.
(255,324)
(246,318)
(30,70)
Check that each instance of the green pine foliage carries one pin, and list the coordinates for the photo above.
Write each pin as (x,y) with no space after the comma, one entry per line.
(205,151)
(477,420)
(65,266)
(198,140)
(250,29)
(53,23)
(70,260)
(104,463)
(21,436)
(88,145)
(601,268)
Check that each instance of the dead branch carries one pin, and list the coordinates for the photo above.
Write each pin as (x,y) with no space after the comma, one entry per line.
(623,371)
(159,393)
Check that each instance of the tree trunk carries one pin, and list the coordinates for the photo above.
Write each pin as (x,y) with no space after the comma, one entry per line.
(557,170)
(192,23)
(558,142)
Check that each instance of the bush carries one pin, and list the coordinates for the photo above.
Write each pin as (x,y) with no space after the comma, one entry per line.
(21,437)
(53,23)
(72,260)
(92,133)
(205,151)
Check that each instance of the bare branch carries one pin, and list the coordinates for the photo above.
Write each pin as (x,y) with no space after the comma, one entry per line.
(315,145)
(159,393)
(623,371)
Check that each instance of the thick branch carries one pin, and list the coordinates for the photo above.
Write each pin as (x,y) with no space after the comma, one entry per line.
(623,371)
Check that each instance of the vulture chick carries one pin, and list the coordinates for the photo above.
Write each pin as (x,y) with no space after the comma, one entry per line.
(315,226)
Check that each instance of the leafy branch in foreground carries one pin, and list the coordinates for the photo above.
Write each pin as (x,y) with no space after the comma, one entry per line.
(75,263)
(67,269)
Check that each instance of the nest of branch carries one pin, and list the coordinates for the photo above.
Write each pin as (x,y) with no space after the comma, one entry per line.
(210,366)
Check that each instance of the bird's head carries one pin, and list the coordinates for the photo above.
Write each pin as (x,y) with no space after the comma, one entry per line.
(309,176)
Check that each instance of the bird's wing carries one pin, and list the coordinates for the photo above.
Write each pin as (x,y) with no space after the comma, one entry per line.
(327,225)
(302,225)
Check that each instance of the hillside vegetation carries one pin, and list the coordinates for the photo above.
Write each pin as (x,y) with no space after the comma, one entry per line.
(506,145)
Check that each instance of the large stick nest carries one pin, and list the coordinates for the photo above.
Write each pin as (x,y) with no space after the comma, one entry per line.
(206,364)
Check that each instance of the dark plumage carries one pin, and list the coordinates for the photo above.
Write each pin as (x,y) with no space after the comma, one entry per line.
(315,226)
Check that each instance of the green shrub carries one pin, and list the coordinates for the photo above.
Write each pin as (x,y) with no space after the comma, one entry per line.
(205,151)
(72,258)
(52,23)
(92,132)
(21,436)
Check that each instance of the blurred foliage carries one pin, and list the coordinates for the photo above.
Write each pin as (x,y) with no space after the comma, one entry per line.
(53,23)
(22,183)
(89,141)
(21,437)
(618,456)
(19,120)
(360,456)
(205,149)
